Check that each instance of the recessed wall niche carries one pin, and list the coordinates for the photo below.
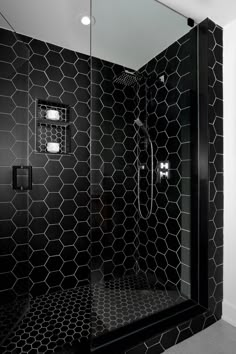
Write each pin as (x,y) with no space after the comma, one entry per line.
(52,128)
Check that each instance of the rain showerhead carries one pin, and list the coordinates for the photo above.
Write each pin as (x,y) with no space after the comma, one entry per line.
(128,78)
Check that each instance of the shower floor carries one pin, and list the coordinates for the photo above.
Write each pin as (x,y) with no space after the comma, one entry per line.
(56,321)
(10,313)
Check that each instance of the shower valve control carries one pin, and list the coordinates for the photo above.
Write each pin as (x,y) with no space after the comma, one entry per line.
(164,165)
(164,174)
(163,168)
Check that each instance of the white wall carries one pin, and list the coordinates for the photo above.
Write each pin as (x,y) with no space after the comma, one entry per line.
(229,303)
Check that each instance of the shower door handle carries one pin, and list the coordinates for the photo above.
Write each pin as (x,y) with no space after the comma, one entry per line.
(22,178)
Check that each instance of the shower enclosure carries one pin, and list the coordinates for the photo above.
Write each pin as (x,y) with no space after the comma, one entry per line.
(111,183)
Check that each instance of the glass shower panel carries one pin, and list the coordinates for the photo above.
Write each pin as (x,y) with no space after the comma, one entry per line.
(58,128)
(142,90)
(59,155)
(14,250)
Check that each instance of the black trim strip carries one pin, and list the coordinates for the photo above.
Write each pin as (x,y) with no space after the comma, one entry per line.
(126,337)
(203,163)
(194,170)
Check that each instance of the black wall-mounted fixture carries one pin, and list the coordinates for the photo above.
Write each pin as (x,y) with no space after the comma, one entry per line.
(190,22)
(163,170)
(22,178)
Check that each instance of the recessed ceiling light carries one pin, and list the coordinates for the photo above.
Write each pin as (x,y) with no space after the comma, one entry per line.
(87,20)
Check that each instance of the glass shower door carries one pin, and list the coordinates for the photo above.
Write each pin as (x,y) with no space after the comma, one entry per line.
(14,179)
(143,89)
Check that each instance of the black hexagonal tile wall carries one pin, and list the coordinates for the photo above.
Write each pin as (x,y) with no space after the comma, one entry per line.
(113,135)
(57,186)
(170,134)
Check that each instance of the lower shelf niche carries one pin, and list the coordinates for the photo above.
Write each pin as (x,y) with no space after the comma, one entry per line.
(53,138)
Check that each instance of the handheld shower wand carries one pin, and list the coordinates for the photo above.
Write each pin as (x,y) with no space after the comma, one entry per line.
(139,123)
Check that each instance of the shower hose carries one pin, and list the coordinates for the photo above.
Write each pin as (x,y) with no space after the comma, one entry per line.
(139,203)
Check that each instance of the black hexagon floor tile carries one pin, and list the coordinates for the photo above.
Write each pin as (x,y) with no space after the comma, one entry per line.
(119,302)
(66,318)
(10,313)
(53,321)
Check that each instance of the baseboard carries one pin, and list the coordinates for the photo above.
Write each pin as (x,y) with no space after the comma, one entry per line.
(229,313)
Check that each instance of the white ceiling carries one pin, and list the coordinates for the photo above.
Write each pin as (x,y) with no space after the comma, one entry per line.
(127,32)
(131,32)
(221,11)
(54,21)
